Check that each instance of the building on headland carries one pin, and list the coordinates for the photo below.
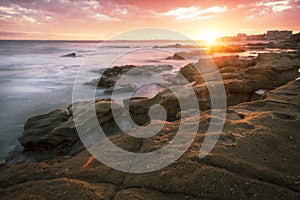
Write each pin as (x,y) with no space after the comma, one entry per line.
(270,35)
(241,36)
(278,35)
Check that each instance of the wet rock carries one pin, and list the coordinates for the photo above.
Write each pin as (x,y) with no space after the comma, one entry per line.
(256,157)
(184,55)
(178,46)
(227,48)
(72,55)
(54,134)
(245,78)
(111,75)
(120,89)
(242,78)
(48,131)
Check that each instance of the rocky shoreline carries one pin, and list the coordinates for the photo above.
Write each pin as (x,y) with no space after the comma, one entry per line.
(256,157)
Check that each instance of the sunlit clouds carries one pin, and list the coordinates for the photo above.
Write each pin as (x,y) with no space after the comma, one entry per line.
(276,6)
(101,19)
(195,13)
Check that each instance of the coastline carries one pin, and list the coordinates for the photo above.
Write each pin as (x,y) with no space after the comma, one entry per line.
(256,153)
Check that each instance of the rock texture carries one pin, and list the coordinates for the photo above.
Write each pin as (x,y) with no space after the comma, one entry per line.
(256,157)
(183,55)
(110,76)
(242,78)
(54,135)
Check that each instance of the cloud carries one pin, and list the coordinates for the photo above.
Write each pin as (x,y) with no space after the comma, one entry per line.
(194,12)
(94,16)
(102,17)
(48,11)
(8,10)
(120,11)
(249,17)
(32,35)
(264,8)
(17,13)
(274,6)
(29,19)
(278,6)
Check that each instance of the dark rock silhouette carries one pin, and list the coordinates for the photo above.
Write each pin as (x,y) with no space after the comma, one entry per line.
(72,55)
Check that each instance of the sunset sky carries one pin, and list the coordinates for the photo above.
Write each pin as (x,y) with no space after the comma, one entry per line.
(100,19)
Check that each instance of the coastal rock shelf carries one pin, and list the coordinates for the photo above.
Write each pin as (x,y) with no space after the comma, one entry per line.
(242,78)
(110,76)
(182,55)
(256,157)
(54,134)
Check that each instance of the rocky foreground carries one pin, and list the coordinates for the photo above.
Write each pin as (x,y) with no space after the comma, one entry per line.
(256,157)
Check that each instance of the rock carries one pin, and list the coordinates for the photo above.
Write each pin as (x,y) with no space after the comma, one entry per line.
(102,107)
(184,55)
(242,78)
(111,75)
(139,107)
(120,89)
(48,131)
(245,78)
(72,55)
(254,157)
(178,46)
(66,188)
(190,73)
(227,48)
(54,134)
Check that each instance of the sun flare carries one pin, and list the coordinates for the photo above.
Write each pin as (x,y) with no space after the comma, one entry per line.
(210,36)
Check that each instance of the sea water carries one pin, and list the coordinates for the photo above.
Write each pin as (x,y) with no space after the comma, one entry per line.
(35,79)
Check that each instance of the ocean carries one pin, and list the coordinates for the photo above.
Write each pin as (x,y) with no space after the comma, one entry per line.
(35,79)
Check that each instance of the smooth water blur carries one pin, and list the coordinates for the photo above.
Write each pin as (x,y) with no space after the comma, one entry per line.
(35,79)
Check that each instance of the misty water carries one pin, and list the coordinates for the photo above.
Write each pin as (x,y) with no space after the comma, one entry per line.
(35,79)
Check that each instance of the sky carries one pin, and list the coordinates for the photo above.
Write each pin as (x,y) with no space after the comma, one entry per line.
(102,19)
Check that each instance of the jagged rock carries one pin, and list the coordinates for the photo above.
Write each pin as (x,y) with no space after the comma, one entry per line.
(227,48)
(139,107)
(255,157)
(54,134)
(72,55)
(183,55)
(267,71)
(120,89)
(111,75)
(48,131)
(178,46)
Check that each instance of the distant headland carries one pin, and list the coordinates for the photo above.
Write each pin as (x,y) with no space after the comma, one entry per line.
(269,35)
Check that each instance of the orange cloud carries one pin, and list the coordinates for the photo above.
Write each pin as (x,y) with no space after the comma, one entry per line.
(194,12)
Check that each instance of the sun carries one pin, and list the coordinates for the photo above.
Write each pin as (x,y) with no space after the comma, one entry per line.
(209,37)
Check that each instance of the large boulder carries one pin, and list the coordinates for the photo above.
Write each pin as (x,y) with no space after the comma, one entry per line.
(48,131)
(54,134)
